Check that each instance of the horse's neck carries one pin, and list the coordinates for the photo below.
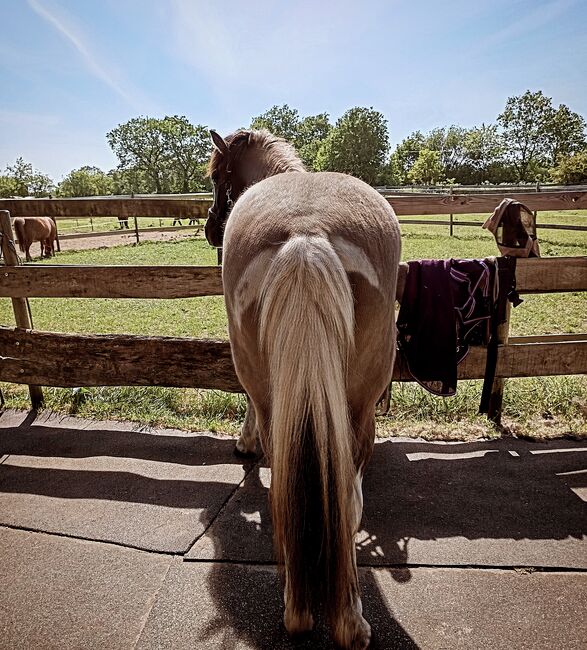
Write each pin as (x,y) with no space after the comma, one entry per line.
(269,164)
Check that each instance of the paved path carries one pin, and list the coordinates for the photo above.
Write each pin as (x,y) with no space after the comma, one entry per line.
(112,537)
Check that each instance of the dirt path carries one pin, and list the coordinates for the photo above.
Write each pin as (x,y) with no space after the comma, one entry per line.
(125,238)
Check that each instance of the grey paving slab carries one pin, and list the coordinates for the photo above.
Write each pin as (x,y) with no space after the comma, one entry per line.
(152,490)
(227,606)
(62,593)
(496,503)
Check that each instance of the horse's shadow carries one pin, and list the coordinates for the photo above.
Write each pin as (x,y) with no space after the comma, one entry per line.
(415,492)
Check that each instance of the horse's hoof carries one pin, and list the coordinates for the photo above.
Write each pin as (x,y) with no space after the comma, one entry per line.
(356,636)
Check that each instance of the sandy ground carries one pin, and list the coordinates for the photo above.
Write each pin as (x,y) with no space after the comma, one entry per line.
(126,237)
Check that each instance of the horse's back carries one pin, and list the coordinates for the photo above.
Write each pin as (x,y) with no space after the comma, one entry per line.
(350,213)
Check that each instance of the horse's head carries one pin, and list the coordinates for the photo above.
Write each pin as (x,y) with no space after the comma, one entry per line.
(228,181)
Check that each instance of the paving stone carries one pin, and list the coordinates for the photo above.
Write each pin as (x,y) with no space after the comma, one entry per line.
(63,593)
(442,504)
(151,490)
(226,606)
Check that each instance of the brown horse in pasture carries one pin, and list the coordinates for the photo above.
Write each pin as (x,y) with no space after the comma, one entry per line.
(31,229)
(310,270)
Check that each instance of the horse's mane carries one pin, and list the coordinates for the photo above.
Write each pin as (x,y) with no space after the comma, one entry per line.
(277,154)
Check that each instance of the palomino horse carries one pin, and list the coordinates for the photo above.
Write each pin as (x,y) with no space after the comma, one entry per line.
(41,229)
(310,270)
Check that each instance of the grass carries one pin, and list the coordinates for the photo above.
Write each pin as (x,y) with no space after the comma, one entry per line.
(535,407)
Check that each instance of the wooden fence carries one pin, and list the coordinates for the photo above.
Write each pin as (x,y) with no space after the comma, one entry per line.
(73,360)
(196,207)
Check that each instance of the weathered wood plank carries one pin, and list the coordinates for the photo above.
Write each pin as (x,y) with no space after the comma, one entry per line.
(112,207)
(71,360)
(61,281)
(547,338)
(54,281)
(483,203)
(554,274)
(403,204)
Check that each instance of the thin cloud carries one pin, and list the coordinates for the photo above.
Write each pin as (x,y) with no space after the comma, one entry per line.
(542,15)
(75,39)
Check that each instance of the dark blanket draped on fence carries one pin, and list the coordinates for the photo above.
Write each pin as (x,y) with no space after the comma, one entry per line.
(446,307)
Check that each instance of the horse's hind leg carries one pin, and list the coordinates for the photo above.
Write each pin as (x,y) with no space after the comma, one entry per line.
(350,629)
(247,443)
(295,622)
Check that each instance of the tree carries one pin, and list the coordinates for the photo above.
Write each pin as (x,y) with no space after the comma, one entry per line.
(357,145)
(311,133)
(567,133)
(571,170)
(130,181)
(188,149)
(140,144)
(26,181)
(405,155)
(427,169)
(7,187)
(484,155)
(85,181)
(282,121)
(527,123)
(450,144)
(170,153)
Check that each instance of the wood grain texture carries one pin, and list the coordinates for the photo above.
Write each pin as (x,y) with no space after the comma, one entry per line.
(555,274)
(70,360)
(421,204)
(107,207)
(53,281)
(483,203)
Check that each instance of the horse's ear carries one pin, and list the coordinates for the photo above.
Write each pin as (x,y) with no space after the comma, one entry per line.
(218,142)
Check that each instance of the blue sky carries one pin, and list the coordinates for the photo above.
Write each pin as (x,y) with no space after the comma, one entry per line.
(71,70)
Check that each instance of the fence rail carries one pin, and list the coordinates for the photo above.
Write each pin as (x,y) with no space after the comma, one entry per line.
(404,205)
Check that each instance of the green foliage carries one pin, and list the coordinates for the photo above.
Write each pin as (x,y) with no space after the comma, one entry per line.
(428,168)
(21,179)
(7,187)
(567,133)
(305,134)
(571,170)
(167,155)
(404,156)
(535,134)
(282,121)
(357,145)
(311,133)
(85,181)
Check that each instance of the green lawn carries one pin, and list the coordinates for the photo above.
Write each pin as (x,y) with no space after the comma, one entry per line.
(534,406)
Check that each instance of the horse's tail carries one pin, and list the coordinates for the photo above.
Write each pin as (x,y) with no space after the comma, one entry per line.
(307,333)
(18,225)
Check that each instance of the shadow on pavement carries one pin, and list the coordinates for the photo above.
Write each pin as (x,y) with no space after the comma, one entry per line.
(497,490)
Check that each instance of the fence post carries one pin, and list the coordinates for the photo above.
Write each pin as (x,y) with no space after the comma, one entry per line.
(219,256)
(496,399)
(136,230)
(451,226)
(20,306)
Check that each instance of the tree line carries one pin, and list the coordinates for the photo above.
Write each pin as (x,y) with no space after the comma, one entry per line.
(531,140)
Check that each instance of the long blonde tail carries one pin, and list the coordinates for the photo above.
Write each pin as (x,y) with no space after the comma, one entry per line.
(307,335)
